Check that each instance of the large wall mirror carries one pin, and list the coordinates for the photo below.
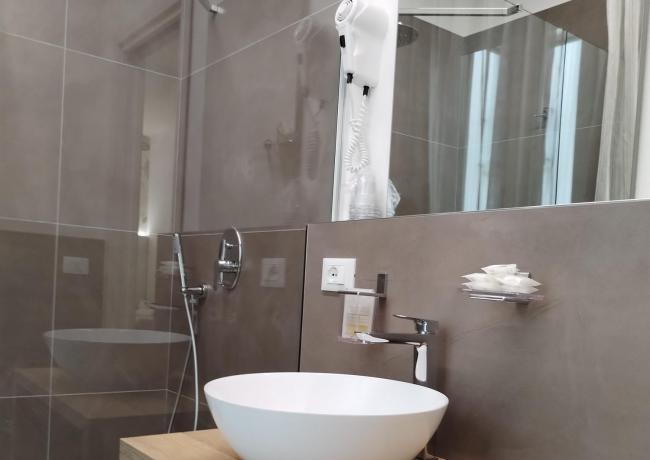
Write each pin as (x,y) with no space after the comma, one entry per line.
(500,104)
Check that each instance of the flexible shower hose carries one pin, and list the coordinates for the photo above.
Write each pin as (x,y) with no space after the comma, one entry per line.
(195,363)
(181,267)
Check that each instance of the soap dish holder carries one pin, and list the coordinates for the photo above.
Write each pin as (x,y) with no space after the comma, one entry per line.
(510,297)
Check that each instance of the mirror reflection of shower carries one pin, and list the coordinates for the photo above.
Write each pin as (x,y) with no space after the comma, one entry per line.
(406,34)
(507,109)
(213,6)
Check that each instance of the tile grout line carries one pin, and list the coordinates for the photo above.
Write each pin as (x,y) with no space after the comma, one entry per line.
(108,229)
(247,232)
(96,393)
(87,227)
(501,141)
(258,41)
(589,127)
(531,136)
(56,233)
(170,322)
(429,141)
(135,67)
(109,392)
(64,225)
(179,96)
(189,398)
(174,223)
(30,39)
(64,48)
(27,221)
(184,39)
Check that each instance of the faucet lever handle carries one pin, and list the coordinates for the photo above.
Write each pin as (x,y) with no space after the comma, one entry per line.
(422,326)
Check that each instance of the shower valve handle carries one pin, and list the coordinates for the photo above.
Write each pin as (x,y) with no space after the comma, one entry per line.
(196,291)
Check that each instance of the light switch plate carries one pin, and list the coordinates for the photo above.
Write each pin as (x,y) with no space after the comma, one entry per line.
(274,273)
(338,274)
(76,265)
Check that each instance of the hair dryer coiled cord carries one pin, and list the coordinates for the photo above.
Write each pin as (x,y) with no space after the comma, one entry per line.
(356,156)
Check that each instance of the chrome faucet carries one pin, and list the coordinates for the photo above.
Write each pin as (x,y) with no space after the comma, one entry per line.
(424,367)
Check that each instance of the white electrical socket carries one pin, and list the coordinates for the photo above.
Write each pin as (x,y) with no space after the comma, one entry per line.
(338,274)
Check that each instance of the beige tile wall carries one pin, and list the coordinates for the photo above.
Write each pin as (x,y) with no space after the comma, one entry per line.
(256,326)
(261,116)
(564,378)
(89,140)
(431,113)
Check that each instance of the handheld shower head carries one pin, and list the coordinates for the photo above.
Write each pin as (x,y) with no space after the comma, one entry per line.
(406,34)
(213,6)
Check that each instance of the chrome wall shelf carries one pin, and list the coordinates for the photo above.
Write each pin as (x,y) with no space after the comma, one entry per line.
(380,290)
(511,297)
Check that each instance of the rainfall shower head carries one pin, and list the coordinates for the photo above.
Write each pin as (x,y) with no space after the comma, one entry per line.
(213,6)
(406,34)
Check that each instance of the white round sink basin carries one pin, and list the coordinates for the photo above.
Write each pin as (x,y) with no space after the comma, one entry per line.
(298,416)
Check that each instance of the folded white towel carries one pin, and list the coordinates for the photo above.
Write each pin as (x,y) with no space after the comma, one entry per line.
(501,279)
(507,269)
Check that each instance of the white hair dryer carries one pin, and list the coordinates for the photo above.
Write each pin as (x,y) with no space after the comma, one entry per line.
(362,27)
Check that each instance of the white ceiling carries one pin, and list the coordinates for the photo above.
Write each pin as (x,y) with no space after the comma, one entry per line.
(469,25)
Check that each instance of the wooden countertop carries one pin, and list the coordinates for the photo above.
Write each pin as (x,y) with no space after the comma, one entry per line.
(196,445)
(193,445)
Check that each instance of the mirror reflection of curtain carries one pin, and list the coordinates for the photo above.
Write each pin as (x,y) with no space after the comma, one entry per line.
(627,22)
(565,118)
(513,100)
(482,108)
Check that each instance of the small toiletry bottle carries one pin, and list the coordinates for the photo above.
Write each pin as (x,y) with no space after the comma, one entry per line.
(358,313)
